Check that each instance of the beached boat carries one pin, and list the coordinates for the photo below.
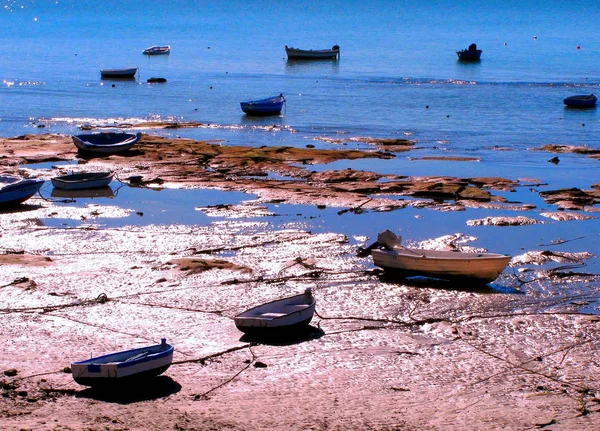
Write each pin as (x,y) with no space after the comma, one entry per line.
(119,73)
(581,101)
(105,143)
(447,265)
(282,315)
(469,54)
(124,366)
(157,50)
(268,106)
(313,54)
(83,180)
(16,190)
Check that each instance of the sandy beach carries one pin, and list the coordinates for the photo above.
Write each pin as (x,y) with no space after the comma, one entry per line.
(382,354)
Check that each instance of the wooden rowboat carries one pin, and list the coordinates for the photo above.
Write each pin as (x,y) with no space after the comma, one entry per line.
(124,366)
(83,180)
(157,50)
(282,315)
(269,106)
(313,54)
(105,143)
(447,265)
(16,190)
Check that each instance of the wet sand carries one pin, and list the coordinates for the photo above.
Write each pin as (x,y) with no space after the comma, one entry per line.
(382,354)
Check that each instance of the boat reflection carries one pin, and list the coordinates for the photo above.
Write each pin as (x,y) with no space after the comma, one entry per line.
(99,192)
(303,66)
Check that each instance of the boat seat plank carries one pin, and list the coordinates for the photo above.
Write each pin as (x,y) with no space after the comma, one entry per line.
(296,307)
(271,315)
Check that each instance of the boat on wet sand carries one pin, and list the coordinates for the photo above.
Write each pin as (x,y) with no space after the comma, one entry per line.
(279,316)
(390,255)
(105,143)
(83,180)
(313,54)
(125,366)
(15,190)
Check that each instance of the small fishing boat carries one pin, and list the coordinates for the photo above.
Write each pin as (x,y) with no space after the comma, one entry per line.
(124,366)
(15,190)
(83,180)
(282,315)
(157,50)
(268,106)
(446,265)
(469,54)
(105,143)
(581,101)
(119,73)
(313,54)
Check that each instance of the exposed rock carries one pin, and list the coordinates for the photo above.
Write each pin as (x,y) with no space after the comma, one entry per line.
(387,144)
(571,199)
(503,221)
(566,216)
(541,257)
(448,158)
(555,148)
(196,265)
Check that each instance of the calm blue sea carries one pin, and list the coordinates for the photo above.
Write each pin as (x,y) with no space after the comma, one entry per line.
(398,75)
(397,58)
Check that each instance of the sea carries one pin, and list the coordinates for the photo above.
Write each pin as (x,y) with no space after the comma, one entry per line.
(397,77)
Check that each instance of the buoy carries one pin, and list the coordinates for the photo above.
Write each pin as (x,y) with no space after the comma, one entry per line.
(578,47)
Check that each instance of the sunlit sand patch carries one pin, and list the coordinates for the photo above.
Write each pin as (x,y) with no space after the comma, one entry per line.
(31,215)
(243,210)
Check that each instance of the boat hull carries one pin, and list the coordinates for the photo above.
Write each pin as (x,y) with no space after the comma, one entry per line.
(120,367)
(469,55)
(269,106)
(281,316)
(310,54)
(119,73)
(84,180)
(105,143)
(16,191)
(581,101)
(475,267)
(157,50)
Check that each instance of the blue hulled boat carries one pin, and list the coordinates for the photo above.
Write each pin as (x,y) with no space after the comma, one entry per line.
(269,106)
(115,368)
(15,190)
(105,143)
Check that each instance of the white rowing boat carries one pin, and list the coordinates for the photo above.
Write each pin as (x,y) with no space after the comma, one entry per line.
(448,265)
(286,314)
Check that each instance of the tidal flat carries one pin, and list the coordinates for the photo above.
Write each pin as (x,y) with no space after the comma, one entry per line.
(196,232)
